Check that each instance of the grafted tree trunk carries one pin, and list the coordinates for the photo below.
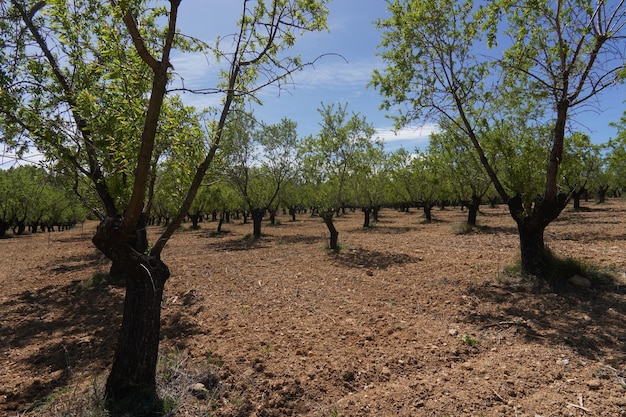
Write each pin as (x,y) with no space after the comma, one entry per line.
(131,385)
(221,222)
(535,257)
(333,242)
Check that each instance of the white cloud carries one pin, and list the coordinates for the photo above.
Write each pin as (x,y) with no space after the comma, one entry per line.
(333,71)
(411,133)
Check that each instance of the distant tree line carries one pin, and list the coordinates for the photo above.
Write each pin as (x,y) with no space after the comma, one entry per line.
(33,200)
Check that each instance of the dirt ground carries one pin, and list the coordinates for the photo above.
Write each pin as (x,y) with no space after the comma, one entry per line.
(409,319)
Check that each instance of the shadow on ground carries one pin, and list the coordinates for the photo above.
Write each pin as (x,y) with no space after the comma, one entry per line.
(363,258)
(59,330)
(591,322)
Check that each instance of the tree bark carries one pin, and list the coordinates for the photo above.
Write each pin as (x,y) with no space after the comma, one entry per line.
(576,196)
(367,211)
(602,193)
(333,243)
(257,219)
(131,385)
(221,222)
(535,257)
(472,210)
(195,219)
(428,212)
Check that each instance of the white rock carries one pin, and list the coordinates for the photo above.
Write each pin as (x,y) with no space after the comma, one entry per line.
(578,281)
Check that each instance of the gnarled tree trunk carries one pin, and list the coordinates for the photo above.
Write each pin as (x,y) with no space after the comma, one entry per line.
(131,385)
(535,257)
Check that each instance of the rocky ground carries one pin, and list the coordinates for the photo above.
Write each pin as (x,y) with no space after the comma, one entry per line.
(409,319)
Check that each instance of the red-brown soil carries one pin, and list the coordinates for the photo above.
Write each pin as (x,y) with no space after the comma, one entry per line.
(409,319)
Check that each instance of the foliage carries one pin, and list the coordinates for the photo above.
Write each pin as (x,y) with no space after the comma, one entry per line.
(337,152)
(30,197)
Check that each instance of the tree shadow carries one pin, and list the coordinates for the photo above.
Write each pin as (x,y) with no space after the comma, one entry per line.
(363,258)
(590,322)
(386,230)
(78,262)
(236,245)
(56,331)
(297,239)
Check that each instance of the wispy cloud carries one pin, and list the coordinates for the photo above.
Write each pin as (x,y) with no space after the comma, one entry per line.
(334,71)
(411,133)
(194,70)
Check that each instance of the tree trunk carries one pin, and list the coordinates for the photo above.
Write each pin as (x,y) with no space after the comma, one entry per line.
(139,242)
(535,257)
(602,193)
(472,210)
(257,219)
(21,227)
(576,198)
(131,385)
(195,219)
(4,226)
(292,213)
(375,212)
(428,212)
(532,247)
(367,211)
(334,234)
(221,222)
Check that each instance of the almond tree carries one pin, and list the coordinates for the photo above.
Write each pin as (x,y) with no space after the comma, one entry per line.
(86,83)
(332,156)
(562,54)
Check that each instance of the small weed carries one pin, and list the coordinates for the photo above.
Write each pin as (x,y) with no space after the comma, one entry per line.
(333,412)
(215,233)
(267,349)
(214,360)
(466,228)
(251,238)
(237,400)
(470,341)
(72,401)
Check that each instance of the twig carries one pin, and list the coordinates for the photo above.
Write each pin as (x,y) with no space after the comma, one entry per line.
(498,395)
(580,404)
(505,323)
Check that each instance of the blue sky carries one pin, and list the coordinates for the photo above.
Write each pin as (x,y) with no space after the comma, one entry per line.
(335,80)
